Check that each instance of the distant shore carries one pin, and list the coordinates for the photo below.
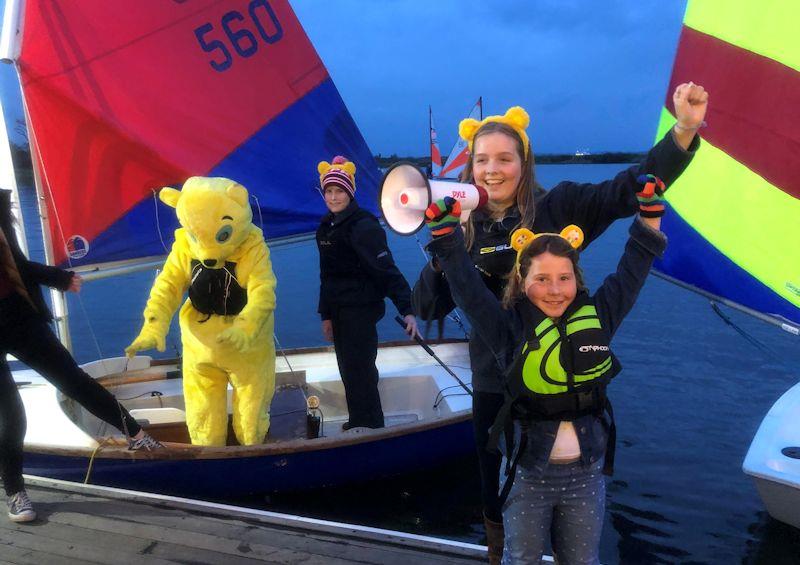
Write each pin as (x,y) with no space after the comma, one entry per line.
(541,159)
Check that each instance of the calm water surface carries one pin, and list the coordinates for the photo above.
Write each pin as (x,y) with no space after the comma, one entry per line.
(688,403)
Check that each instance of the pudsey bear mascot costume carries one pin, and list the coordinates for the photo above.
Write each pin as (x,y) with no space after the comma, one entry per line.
(227,323)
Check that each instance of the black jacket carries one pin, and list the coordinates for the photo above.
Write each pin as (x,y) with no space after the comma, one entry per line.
(593,207)
(355,264)
(33,275)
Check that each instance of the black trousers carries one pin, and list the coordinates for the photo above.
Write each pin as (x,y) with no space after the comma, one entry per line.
(485,406)
(30,339)
(355,338)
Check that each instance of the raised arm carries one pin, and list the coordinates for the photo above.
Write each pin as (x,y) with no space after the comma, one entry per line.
(594,207)
(618,293)
(468,290)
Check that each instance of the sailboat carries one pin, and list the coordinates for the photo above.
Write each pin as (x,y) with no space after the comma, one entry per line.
(735,220)
(119,106)
(457,159)
(436,154)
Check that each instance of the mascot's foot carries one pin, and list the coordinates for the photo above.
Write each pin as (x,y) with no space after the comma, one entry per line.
(145,443)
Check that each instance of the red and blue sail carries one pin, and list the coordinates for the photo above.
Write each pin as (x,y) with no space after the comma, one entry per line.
(734,228)
(123,99)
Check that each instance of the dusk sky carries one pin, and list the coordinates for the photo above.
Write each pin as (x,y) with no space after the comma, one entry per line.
(592,75)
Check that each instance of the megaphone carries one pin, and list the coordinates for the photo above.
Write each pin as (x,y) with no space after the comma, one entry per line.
(406,193)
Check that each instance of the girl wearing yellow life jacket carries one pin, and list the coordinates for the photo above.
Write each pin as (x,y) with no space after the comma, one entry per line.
(551,339)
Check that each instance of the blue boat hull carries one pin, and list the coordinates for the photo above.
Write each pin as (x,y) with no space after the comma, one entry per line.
(268,473)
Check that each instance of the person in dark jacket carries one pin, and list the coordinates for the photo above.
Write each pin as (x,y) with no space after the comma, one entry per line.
(551,340)
(356,273)
(25,333)
(502,161)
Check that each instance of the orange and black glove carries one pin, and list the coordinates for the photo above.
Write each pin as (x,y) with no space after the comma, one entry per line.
(443,216)
(651,197)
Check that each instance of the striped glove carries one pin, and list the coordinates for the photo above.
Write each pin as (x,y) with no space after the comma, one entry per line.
(651,197)
(443,216)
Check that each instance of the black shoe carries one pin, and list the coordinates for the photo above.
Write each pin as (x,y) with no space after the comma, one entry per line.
(347,426)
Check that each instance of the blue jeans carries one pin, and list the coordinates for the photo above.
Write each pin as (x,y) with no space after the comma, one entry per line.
(566,504)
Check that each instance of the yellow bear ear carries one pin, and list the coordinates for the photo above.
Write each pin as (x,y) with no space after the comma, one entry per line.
(518,116)
(169,196)
(573,234)
(521,238)
(323,167)
(238,194)
(349,168)
(467,128)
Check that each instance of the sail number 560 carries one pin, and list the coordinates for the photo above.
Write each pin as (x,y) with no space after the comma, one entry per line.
(243,41)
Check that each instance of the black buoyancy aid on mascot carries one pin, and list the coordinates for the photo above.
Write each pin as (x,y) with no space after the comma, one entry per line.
(216,291)
(560,374)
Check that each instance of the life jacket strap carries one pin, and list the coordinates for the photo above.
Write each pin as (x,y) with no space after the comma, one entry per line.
(611,446)
(511,468)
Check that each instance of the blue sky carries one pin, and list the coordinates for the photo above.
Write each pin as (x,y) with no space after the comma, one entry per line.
(591,74)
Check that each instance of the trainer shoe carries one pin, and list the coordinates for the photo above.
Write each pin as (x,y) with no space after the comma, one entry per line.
(20,508)
(146,443)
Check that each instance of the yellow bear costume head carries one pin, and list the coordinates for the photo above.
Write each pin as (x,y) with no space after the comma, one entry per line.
(215,213)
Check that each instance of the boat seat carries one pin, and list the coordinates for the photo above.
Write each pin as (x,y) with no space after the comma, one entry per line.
(148,416)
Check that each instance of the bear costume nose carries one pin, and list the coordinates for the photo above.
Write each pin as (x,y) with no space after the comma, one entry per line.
(209,262)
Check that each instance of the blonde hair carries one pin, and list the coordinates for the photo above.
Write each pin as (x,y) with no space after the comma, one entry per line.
(526,189)
(547,243)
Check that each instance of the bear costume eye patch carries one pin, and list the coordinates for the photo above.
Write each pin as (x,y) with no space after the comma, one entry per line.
(224,234)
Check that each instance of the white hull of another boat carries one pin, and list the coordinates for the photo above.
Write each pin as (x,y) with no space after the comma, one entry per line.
(773,459)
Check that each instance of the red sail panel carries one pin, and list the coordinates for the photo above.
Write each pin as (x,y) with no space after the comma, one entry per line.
(113,95)
(754,105)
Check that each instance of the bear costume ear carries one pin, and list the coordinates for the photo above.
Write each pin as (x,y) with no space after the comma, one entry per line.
(521,238)
(518,117)
(323,167)
(349,168)
(238,194)
(467,129)
(573,234)
(169,196)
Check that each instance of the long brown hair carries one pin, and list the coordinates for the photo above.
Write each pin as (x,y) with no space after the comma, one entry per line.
(526,189)
(549,243)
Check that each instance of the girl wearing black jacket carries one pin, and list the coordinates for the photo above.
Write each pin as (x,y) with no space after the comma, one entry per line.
(25,333)
(501,160)
(356,272)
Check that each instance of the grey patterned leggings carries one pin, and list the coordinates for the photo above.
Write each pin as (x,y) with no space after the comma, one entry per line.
(566,504)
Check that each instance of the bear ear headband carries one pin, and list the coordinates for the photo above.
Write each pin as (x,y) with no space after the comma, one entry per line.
(515,117)
(523,237)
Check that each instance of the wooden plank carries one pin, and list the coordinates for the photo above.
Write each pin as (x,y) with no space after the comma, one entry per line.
(158,531)
(71,534)
(45,549)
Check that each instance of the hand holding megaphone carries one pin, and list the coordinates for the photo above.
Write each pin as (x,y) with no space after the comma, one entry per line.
(406,193)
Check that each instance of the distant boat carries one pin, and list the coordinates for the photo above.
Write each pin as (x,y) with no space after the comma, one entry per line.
(457,159)
(734,226)
(118,107)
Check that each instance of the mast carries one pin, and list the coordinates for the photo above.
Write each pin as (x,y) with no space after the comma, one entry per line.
(10,43)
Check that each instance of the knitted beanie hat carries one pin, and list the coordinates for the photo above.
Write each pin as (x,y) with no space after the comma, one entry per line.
(340,173)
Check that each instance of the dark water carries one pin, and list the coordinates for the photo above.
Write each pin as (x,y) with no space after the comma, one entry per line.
(688,403)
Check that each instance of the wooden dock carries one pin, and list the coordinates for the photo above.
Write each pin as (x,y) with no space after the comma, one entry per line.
(89,524)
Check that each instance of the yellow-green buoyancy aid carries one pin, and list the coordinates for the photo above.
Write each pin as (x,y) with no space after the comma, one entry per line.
(563,367)
(544,372)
